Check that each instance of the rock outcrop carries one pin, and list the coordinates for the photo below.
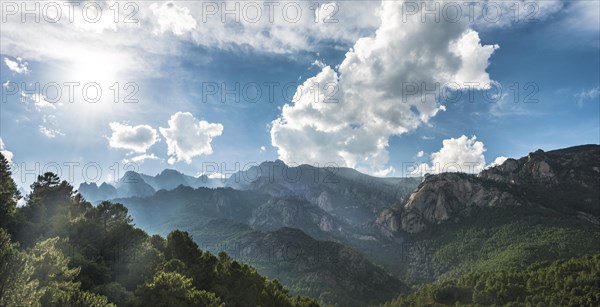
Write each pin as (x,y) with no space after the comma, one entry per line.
(578,165)
(566,180)
(441,198)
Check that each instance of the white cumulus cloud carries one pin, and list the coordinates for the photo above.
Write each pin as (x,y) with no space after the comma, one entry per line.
(19,66)
(460,154)
(188,137)
(137,138)
(497,161)
(346,116)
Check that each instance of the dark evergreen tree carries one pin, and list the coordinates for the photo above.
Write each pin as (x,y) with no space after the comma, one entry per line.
(9,193)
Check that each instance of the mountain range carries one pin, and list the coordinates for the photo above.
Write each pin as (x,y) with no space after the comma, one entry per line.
(383,234)
(134,184)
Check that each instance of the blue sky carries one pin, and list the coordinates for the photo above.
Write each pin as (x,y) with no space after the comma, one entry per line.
(175,59)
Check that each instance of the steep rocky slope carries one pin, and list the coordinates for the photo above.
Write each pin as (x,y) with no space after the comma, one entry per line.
(443,197)
(566,180)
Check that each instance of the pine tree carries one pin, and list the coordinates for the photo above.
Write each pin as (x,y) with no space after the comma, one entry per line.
(9,194)
(17,285)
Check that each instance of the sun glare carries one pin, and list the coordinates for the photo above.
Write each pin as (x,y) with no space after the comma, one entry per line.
(101,84)
(95,67)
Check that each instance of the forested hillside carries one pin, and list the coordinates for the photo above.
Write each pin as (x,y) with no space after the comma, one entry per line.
(59,250)
(573,282)
(498,239)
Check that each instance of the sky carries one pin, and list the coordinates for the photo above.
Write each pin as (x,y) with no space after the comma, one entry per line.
(394,88)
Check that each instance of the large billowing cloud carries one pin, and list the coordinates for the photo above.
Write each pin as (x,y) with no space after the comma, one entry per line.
(347,116)
(463,154)
(188,137)
(136,138)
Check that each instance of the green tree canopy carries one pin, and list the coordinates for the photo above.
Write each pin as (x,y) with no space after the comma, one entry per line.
(168,289)
(17,285)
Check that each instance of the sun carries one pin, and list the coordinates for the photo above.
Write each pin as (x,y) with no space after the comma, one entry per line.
(100,88)
(95,67)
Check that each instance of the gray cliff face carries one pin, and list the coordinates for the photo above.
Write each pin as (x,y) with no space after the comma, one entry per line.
(565,180)
(441,198)
(388,222)
(535,168)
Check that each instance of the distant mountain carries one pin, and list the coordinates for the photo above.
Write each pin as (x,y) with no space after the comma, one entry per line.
(134,184)
(131,184)
(170,179)
(94,193)
(352,197)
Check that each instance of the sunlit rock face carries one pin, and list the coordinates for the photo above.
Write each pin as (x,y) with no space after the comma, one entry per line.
(443,197)
(565,180)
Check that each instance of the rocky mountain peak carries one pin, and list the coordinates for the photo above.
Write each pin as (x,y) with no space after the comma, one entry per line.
(574,165)
(561,180)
